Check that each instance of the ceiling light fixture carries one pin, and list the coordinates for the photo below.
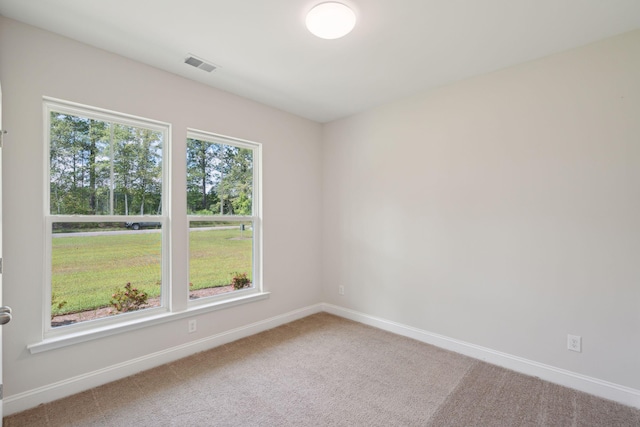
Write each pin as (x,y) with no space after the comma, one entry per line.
(330,20)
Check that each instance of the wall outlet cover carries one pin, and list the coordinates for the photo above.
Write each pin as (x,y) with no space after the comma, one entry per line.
(574,343)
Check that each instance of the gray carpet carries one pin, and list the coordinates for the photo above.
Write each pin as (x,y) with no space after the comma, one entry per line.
(326,371)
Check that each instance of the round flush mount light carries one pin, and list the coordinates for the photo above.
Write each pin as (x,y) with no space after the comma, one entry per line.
(330,20)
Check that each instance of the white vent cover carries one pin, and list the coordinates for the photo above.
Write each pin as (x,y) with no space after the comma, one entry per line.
(199,63)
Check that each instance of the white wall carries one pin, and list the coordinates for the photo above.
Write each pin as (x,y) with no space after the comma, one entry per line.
(503,211)
(34,63)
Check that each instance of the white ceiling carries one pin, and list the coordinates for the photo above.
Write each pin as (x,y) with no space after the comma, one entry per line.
(397,48)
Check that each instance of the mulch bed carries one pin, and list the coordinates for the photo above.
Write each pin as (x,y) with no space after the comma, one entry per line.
(68,319)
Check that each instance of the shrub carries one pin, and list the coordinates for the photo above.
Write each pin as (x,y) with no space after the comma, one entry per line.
(128,299)
(240,280)
(56,305)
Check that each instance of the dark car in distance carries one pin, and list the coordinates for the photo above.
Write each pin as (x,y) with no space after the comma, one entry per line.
(139,225)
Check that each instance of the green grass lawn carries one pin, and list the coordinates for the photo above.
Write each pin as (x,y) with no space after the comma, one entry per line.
(86,270)
(215,255)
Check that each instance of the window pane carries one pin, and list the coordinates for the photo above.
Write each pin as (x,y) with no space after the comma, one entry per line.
(92,263)
(220,256)
(103,168)
(219,178)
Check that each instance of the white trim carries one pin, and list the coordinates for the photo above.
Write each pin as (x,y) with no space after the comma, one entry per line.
(607,390)
(132,321)
(108,218)
(221,139)
(29,399)
(97,113)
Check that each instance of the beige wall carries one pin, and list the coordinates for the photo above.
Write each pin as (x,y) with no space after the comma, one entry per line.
(503,211)
(34,63)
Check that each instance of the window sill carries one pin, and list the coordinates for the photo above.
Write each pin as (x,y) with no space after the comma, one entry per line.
(73,338)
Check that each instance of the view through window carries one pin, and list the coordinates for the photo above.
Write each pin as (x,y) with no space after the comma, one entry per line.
(105,214)
(222,220)
(108,221)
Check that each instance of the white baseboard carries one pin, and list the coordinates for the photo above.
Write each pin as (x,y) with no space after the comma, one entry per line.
(607,390)
(32,398)
(29,399)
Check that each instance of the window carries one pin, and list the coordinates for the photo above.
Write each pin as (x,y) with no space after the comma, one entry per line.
(223,216)
(106,177)
(108,223)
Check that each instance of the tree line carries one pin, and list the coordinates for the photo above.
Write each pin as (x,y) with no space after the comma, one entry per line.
(103,168)
(219,178)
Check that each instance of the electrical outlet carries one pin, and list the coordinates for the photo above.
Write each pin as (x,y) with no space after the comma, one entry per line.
(341,290)
(574,343)
(192,326)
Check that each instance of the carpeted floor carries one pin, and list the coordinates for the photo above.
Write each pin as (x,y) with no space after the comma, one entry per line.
(326,371)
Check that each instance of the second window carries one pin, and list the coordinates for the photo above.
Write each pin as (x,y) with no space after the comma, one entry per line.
(223,215)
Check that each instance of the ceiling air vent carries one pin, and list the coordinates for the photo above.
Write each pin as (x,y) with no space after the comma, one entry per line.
(199,63)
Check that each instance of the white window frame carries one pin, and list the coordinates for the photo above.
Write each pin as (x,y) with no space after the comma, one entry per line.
(255,218)
(55,105)
(174,306)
